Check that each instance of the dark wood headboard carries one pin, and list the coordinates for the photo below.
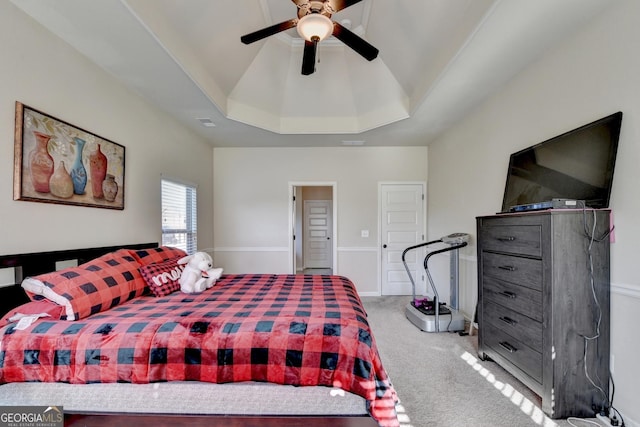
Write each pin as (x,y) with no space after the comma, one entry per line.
(32,264)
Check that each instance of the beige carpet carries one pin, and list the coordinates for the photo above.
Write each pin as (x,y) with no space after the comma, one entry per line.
(440,380)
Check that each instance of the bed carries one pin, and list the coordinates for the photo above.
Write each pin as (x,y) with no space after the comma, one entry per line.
(254,349)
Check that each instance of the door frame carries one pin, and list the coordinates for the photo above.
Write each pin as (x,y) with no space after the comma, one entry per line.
(424,219)
(292,220)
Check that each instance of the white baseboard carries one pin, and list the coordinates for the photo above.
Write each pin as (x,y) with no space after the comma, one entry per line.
(369,294)
(626,290)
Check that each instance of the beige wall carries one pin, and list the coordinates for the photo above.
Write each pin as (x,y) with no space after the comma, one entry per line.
(591,75)
(43,72)
(251,210)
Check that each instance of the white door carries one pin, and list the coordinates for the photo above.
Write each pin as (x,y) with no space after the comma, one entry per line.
(402,225)
(317,234)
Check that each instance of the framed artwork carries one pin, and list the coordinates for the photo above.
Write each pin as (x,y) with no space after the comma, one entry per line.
(56,162)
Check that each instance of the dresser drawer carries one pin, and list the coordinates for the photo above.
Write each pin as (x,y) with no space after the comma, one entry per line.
(514,324)
(522,271)
(515,239)
(517,298)
(524,357)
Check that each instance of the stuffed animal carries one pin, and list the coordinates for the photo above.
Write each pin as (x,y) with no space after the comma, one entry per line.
(198,273)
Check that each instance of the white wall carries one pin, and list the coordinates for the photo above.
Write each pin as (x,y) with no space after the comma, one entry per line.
(251,217)
(590,75)
(43,72)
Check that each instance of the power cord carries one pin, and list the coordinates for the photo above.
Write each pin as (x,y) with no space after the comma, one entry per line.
(450,320)
(607,405)
(571,421)
(591,237)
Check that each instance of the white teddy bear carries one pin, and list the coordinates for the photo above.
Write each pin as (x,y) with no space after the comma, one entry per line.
(198,273)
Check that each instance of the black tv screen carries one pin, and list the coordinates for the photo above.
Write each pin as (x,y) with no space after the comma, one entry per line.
(576,165)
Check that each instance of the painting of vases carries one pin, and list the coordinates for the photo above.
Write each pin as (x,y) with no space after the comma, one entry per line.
(56,162)
(98,169)
(40,163)
(61,183)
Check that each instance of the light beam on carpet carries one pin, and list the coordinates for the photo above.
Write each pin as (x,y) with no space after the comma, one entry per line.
(403,417)
(507,390)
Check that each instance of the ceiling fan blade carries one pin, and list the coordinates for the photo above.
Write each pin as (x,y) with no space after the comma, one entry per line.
(268,31)
(338,5)
(309,57)
(355,42)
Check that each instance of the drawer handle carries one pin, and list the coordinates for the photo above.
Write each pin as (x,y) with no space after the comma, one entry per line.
(507,238)
(507,267)
(508,320)
(508,347)
(508,294)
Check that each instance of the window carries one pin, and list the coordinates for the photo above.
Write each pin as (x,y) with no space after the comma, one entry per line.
(179,215)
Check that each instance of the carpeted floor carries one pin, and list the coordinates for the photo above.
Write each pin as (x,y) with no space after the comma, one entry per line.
(440,380)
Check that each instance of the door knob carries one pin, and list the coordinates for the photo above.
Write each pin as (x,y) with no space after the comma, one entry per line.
(384,246)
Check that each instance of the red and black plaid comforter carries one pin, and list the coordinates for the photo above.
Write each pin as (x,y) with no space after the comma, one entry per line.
(284,329)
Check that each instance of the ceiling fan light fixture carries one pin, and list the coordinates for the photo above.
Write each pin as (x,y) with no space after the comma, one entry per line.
(314,25)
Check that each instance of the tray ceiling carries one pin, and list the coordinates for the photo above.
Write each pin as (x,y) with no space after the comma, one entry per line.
(438,60)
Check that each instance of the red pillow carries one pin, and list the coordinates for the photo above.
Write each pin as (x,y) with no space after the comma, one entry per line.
(163,277)
(35,307)
(92,287)
(154,255)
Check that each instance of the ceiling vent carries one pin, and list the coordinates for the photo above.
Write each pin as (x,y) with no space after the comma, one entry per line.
(206,122)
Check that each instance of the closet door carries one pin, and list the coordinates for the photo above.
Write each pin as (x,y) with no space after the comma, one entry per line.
(402,211)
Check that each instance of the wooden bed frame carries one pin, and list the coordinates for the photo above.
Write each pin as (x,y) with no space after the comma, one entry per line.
(101,420)
(33,264)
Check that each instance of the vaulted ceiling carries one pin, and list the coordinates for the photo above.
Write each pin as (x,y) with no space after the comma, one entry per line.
(438,60)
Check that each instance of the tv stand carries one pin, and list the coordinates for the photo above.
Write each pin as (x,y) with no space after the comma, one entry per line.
(536,305)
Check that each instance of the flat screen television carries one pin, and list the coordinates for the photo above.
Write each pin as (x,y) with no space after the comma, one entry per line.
(576,165)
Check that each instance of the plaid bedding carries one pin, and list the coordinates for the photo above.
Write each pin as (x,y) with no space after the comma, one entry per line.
(284,329)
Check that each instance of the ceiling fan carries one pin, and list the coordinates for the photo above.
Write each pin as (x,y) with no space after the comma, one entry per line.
(314,24)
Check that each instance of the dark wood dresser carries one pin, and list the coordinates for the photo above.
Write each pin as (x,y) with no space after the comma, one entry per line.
(536,304)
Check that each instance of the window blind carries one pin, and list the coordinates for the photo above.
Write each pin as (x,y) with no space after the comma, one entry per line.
(179,216)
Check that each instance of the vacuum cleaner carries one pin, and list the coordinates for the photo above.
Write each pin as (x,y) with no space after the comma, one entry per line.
(432,315)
